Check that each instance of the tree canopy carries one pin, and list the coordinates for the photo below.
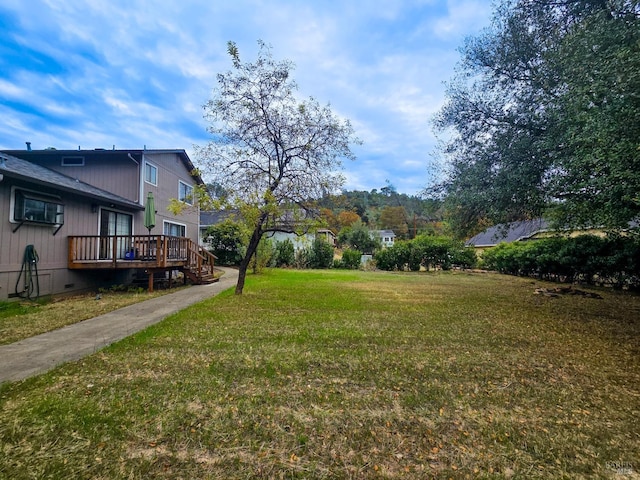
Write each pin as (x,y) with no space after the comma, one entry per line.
(272,152)
(543,117)
(358,237)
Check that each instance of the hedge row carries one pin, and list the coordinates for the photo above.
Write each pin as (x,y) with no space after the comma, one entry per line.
(613,260)
(425,251)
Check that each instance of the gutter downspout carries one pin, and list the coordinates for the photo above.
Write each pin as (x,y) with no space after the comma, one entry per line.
(140,185)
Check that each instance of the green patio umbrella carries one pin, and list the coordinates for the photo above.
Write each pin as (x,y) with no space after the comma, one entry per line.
(150,213)
(149,218)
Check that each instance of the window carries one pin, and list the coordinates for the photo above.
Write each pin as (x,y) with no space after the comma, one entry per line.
(150,173)
(37,208)
(72,161)
(175,229)
(185,193)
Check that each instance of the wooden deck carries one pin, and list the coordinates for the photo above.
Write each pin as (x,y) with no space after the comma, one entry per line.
(149,252)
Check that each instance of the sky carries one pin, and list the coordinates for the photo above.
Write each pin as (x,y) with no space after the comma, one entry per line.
(136,73)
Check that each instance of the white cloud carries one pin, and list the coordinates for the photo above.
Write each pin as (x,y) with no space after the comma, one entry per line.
(10,90)
(134,72)
(463,16)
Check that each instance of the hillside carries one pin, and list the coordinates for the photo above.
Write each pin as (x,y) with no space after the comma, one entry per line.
(406,215)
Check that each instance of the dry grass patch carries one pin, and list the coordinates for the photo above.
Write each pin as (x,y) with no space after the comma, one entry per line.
(20,320)
(347,375)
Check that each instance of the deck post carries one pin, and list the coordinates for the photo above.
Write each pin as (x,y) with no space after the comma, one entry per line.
(150,289)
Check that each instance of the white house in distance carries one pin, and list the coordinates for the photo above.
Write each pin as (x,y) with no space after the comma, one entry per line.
(300,241)
(304,240)
(387,237)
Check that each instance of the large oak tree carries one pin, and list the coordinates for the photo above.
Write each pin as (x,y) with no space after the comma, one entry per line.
(543,117)
(272,151)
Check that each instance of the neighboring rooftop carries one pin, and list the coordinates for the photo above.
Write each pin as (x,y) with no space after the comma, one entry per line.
(512,232)
(208,218)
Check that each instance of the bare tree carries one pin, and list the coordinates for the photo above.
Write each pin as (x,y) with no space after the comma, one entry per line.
(273,152)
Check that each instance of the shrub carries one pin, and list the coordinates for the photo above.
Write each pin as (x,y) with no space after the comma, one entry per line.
(227,241)
(425,251)
(321,255)
(303,258)
(351,259)
(264,256)
(285,255)
(587,258)
(395,257)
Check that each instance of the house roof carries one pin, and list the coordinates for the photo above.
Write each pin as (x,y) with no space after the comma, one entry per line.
(384,233)
(101,152)
(208,218)
(517,232)
(18,168)
(511,232)
(327,231)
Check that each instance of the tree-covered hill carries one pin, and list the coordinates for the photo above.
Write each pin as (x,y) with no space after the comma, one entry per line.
(406,215)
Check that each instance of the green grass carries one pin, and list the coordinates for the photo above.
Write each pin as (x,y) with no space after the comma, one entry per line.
(346,375)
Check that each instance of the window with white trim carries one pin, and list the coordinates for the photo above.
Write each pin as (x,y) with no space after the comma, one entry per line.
(150,173)
(174,229)
(185,192)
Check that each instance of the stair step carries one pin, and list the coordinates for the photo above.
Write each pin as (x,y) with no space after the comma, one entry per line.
(206,278)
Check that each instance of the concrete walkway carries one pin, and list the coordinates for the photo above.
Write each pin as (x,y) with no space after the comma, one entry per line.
(43,352)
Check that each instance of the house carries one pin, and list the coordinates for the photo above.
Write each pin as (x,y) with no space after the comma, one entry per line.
(524,231)
(287,222)
(387,237)
(304,240)
(327,235)
(211,218)
(83,213)
(520,231)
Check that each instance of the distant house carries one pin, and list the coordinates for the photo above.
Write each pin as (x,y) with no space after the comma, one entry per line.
(299,241)
(211,218)
(83,213)
(304,240)
(387,237)
(521,231)
(524,231)
(327,235)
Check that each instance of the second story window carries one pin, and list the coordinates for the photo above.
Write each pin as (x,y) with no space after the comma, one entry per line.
(150,173)
(185,193)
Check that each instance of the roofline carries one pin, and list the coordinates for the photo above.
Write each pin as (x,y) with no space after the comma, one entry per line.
(121,203)
(109,197)
(104,151)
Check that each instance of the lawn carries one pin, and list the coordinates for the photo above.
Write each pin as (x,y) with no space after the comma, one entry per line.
(347,375)
(23,319)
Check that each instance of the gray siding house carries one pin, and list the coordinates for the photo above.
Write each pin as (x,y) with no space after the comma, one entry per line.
(387,237)
(83,213)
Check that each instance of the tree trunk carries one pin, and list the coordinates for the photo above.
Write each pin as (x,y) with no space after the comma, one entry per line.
(244,264)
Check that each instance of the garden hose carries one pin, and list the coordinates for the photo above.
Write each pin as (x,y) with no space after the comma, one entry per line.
(29,274)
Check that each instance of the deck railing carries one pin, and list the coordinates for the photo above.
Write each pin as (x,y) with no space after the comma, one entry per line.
(128,251)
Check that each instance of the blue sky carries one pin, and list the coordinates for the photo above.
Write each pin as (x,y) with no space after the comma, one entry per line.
(135,73)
